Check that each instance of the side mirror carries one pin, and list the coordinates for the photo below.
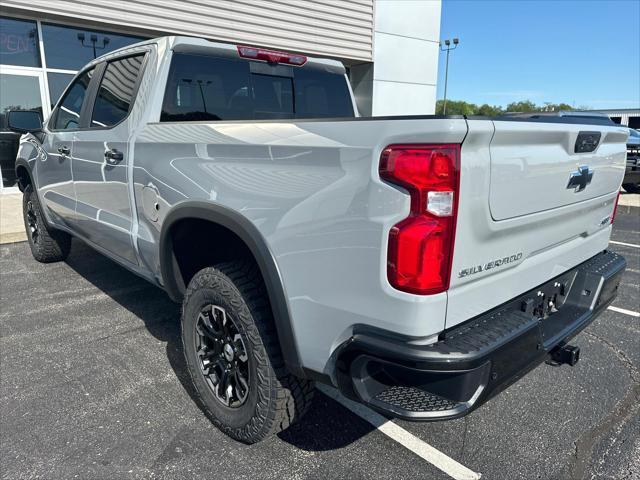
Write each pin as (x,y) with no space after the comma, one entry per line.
(24,121)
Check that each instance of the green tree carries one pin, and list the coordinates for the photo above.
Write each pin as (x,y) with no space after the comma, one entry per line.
(460,107)
(524,106)
(556,107)
(489,110)
(456,107)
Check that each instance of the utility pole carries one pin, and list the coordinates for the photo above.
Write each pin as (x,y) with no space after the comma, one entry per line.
(447,49)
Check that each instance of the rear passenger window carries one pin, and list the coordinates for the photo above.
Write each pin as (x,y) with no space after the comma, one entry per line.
(203,87)
(67,115)
(116,92)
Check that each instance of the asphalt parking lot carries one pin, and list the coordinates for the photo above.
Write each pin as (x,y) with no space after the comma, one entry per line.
(93,385)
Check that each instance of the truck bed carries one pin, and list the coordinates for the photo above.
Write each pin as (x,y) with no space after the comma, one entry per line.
(313,189)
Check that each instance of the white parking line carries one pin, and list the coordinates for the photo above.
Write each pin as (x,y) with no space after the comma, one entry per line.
(625,244)
(625,311)
(409,441)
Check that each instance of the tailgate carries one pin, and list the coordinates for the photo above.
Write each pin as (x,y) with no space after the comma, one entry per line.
(527,211)
(543,166)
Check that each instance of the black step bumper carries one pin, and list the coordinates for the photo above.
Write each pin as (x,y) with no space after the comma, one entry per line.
(476,360)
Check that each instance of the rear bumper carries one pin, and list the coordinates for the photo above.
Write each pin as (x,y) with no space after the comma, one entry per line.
(476,360)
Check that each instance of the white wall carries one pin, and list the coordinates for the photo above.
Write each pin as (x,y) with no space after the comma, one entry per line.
(390,45)
(334,28)
(405,56)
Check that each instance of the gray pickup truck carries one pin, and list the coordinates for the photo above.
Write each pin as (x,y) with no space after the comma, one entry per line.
(419,264)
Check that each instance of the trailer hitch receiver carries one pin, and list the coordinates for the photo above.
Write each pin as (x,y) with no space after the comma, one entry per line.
(565,354)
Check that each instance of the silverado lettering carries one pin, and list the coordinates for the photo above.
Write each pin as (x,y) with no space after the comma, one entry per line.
(489,265)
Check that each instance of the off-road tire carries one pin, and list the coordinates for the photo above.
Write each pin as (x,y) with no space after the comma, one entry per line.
(276,399)
(631,187)
(47,244)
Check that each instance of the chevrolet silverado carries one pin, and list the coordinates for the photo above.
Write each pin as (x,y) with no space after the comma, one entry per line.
(419,264)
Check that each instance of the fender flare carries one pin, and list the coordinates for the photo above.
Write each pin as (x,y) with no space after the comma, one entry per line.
(256,243)
(20,163)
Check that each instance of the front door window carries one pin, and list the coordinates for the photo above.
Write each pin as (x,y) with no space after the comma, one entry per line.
(67,117)
(57,83)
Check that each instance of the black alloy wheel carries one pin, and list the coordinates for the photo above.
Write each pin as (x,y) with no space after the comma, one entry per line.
(223,356)
(233,355)
(32,223)
(47,244)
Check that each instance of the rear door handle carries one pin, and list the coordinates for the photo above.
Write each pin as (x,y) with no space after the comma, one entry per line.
(64,150)
(113,156)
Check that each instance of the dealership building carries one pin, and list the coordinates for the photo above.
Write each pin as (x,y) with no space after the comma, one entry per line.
(390,47)
(624,116)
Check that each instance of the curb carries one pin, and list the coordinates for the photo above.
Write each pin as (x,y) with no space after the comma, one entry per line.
(12,237)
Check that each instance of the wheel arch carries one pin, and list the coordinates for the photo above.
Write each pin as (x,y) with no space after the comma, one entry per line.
(23,172)
(256,244)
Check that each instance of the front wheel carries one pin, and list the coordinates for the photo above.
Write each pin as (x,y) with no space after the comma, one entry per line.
(47,245)
(631,187)
(233,355)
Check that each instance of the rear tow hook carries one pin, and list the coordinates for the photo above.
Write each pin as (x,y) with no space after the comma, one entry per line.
(564,354)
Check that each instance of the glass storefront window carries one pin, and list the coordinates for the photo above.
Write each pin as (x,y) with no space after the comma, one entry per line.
(19,43)
(57,83)
(71,48)
(17,92)
(65,48)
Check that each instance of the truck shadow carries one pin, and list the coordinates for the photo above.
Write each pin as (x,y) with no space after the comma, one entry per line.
(326,426)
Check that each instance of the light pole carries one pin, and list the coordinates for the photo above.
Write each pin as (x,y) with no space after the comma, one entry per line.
(447,49)
(94,39)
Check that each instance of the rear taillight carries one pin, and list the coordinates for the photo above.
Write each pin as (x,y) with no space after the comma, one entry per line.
(421,246)
(615,207)
(271,56)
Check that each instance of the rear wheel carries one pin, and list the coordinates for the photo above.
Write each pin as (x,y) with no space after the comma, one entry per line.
(47,245)
(631,187)
(233,355)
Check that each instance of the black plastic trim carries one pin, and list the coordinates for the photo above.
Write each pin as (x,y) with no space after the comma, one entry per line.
(565,120)
(90,96)
(321,119)
(511,339)
(587,142)
(256,243)
(577,120)
(21,162)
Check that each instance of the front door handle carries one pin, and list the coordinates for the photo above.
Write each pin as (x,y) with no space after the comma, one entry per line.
(64,150)
(113,156)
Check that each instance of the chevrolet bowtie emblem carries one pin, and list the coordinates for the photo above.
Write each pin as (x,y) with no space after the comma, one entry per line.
(580,179)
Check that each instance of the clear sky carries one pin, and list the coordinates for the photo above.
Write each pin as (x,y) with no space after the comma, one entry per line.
(584,53)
